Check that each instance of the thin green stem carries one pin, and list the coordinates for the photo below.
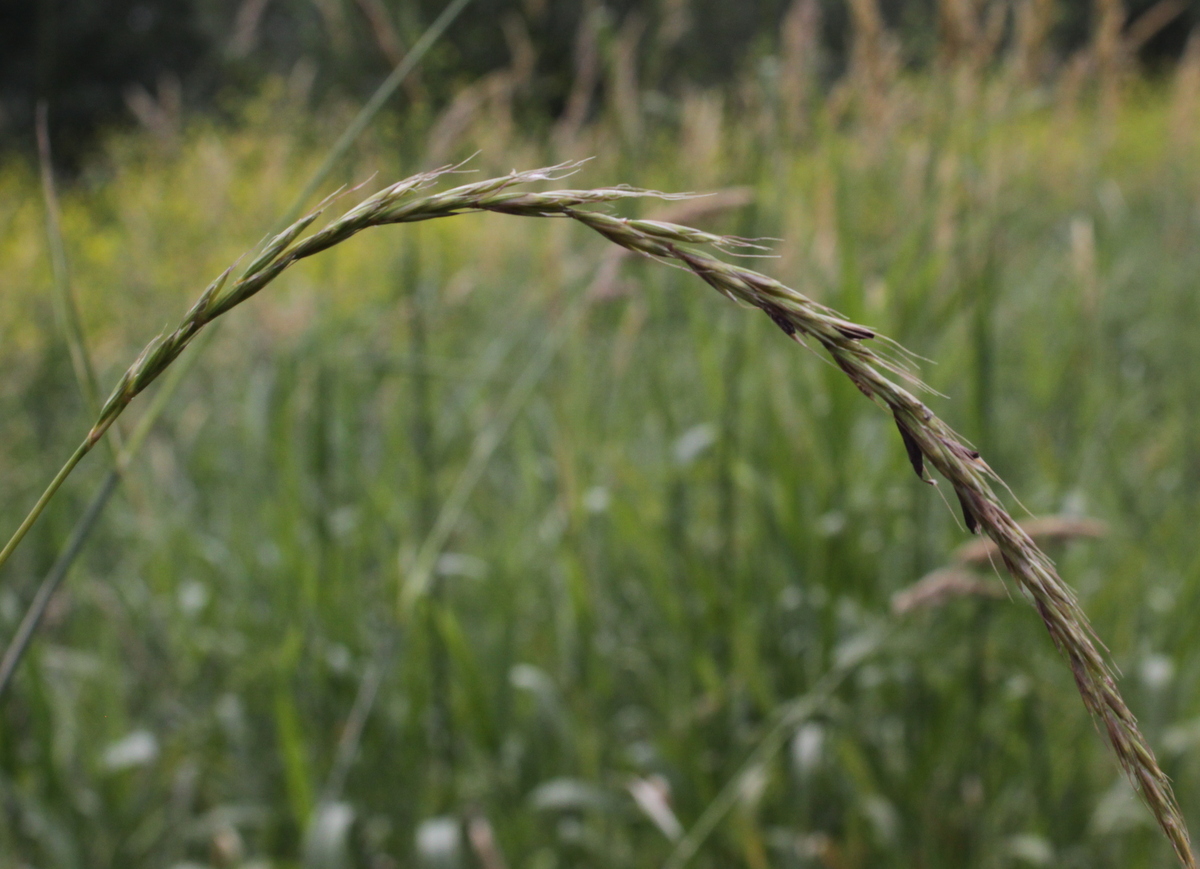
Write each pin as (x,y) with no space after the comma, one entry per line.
(64,299)
(416,584)
(20,640)
(41,599)
(371,109)
(81,362)
(80,451)
(792,716)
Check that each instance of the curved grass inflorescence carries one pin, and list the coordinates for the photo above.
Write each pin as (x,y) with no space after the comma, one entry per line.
(926,438)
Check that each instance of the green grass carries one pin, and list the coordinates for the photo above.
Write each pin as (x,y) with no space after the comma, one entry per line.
(688,524)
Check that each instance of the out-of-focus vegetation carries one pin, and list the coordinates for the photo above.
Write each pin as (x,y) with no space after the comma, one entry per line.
(688,525)
(100,62)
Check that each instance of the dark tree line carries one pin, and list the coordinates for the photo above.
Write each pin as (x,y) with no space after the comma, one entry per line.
(96,61)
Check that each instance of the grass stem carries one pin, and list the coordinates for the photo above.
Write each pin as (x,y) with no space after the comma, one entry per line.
(32,517)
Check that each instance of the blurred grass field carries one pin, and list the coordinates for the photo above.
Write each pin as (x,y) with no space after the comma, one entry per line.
(683,523)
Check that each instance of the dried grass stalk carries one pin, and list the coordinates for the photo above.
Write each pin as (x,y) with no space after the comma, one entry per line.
(943,585)
(1043,529)
(877,374)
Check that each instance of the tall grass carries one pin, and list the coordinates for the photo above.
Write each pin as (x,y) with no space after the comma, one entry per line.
(190,693)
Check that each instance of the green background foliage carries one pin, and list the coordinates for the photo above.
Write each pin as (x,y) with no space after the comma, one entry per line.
(688,524)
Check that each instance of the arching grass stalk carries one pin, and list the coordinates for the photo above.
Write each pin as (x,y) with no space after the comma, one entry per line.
(926,438)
